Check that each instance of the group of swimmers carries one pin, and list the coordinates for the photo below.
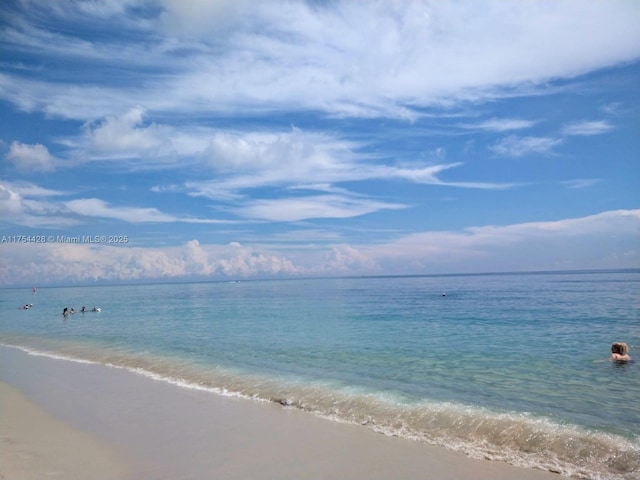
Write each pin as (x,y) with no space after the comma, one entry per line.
(66,311)
(619,350)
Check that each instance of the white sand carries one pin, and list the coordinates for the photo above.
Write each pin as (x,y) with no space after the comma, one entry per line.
(35,446)
(162,431)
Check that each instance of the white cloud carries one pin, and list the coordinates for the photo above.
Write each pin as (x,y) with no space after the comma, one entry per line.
(587,128)
(272,155)
(612,108)
(11,200)
(519,146)
(200,17)
(28,205)
(375,58)
(246,160)
(581,182)
(31,190)
(501,124)
(320,206)
(345,260)
(33,206)
(66,100)
(605,240)
(59,263)
(275,159)
(343,58)
(125,135)
(516,146)
(243,160)
(94,207)
(31,158)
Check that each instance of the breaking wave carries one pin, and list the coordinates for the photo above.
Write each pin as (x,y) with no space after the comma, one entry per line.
(518,438)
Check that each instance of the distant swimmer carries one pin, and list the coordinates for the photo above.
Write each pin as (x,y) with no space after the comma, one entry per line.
(65,311)
(620,352)
(27,306)
(83,309)
(96,309)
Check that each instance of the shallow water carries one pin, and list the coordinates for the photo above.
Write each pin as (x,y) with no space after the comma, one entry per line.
(511,367)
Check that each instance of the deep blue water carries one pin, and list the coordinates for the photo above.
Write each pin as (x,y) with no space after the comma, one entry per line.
(514,367)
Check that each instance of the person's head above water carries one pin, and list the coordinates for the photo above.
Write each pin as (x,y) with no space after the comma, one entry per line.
(619,351)
(619,347)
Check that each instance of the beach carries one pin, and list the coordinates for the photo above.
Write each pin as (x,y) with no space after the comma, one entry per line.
(35,445)
(330,378)
(85,420)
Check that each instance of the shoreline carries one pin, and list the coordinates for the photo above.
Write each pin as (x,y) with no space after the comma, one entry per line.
(155,430)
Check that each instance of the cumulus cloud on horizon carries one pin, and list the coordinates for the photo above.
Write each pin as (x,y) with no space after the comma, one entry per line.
(609,237)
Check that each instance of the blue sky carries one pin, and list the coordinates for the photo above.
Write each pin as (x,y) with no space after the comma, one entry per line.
(244,139)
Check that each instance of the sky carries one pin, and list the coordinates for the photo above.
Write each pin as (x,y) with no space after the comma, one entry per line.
(162,140)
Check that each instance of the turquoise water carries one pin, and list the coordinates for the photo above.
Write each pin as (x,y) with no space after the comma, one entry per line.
(510,367)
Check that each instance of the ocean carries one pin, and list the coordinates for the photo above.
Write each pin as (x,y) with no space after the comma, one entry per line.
(509,367)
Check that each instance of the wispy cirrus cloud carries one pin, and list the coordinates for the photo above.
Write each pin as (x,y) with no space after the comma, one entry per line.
(359,60)
(517,146)
(33,206)
(31,190)
(586,128)
(94,207)
(241,160)
(312,207)
(250,160)
(30,205)
(581,182)
(375,55)
(500,124)
(275,157)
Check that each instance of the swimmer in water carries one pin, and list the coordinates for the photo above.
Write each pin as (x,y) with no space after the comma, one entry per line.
(620,352)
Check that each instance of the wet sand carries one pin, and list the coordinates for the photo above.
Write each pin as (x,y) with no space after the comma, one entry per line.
(135,427)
